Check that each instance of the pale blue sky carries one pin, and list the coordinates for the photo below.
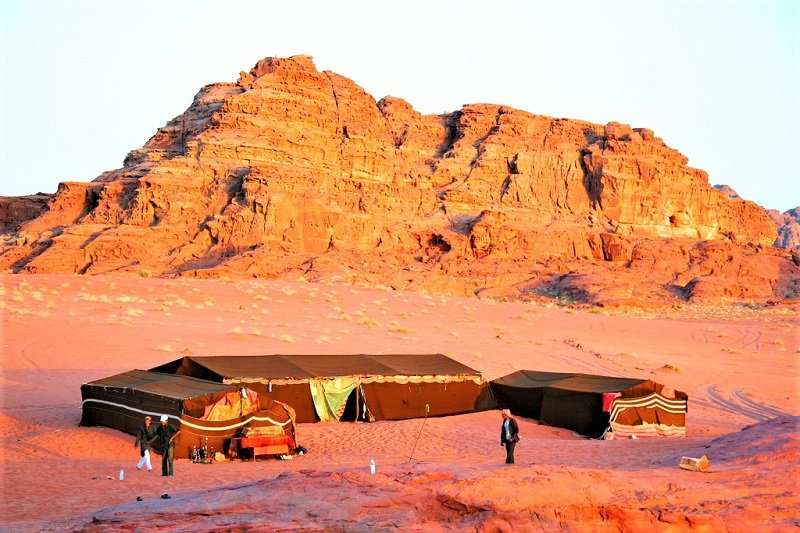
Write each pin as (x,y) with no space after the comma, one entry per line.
(85,82)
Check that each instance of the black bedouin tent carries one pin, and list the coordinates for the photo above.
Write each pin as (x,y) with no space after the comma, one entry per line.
(208,413)
(589,404)
(349,387)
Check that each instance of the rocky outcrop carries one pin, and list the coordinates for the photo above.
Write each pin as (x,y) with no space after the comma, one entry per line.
(788,224)
(294,172)
(14,210)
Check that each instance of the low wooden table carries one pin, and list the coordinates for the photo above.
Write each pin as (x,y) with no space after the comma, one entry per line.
(262,445)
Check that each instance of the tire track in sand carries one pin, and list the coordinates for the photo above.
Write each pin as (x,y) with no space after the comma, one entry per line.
(739,403)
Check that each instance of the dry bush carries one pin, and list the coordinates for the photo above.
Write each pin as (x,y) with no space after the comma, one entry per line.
(88,297)
(116,320)
(130,299)
(17,314)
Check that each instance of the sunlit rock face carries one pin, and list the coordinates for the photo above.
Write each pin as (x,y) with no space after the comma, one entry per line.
(299,173)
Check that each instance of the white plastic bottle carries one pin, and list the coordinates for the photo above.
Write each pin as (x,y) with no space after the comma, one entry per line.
(372,465)
(121,474)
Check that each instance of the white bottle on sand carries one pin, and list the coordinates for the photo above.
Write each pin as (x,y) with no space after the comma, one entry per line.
(372,465)
(121,474)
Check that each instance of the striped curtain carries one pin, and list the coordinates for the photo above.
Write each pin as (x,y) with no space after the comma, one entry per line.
(648,416)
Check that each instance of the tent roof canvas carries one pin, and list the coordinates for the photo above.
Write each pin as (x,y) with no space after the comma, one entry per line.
(303,367)
(568,381)
(165,385)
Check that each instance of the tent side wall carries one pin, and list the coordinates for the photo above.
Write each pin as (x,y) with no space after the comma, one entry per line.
(577,411)
(389,400)
(521,401)
(123,408)
(400,401)
(298,395)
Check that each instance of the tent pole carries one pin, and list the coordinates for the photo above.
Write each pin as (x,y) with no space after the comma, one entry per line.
(357,401)
(427,409)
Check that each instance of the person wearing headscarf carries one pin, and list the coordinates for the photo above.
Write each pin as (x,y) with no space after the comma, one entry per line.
(509,435)
(166,434)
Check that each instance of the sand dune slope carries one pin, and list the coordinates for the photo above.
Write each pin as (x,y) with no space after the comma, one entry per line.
(739,367)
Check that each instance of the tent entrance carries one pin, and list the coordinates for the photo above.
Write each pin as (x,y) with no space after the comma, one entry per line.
(331,397)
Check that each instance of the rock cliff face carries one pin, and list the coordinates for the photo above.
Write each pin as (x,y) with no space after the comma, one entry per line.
(295,172)
(788,224)
(14,210)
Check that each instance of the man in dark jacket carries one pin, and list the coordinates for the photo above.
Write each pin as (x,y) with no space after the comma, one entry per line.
(509,435)
(146,433)
(165,434)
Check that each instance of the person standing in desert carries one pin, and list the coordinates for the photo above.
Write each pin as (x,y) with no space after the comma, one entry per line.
(166,434)
(146,433)
(509,435)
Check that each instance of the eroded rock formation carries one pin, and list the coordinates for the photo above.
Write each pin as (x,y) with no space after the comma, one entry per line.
(788,224)
(14,210)
(295,172)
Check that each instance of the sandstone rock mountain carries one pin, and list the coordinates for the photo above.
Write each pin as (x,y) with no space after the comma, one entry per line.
(786,223)
(14,210)
(293,172)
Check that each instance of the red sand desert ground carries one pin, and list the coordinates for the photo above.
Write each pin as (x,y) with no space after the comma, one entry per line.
(738,365)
